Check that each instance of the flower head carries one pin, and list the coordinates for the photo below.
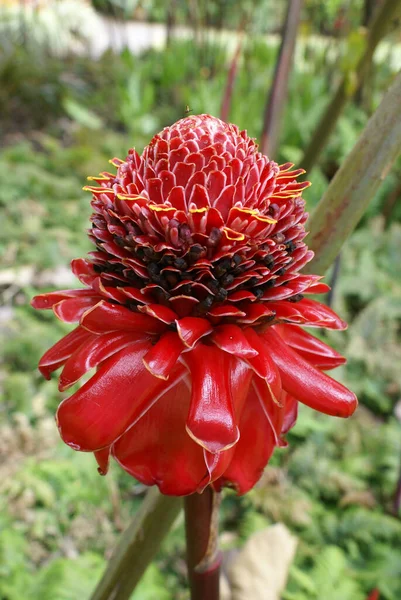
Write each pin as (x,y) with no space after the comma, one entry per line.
(191,312)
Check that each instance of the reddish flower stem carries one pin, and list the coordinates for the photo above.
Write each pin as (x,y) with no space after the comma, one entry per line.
(233,71)
(203,556)
(278,94)
(231,77)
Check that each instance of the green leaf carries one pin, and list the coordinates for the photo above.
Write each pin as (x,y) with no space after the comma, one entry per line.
(151,586)
(14,578)
(81,114)
(356,45)
(304,581)
(67,579)
(331,577)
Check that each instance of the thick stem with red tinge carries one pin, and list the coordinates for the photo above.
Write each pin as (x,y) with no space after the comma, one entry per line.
(203,557)
(356,182)
(231,77)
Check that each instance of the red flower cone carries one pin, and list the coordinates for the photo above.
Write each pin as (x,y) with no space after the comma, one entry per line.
(191,312)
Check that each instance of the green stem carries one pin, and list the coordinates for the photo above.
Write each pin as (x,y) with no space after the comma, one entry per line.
(380,27)
(356,182)
(138,545)
(203,557)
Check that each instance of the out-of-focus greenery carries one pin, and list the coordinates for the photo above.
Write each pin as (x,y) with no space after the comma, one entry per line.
(266,15)
(334,485)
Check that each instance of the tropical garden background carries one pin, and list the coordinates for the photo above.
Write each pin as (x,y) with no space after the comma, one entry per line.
(82,82)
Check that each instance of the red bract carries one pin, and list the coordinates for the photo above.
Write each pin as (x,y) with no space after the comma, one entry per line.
(191,314)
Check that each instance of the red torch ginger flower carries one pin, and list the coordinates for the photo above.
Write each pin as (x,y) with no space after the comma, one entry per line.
(192,312)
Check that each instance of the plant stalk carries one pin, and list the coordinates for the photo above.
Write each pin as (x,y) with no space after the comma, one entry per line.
(138,545)
(333,281)
(356,182)
(390,204)
(278,92)
(380,26)
(203,557)
(231,77)
(170,21)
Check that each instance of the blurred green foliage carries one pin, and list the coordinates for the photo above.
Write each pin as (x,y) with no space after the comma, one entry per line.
(334,485)
(265,15)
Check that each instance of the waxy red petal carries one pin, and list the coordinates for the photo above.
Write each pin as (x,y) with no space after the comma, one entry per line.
(72,309)
(192,329)
(83,270)
(217,463)
(253,449)
(48,300)
(119,393)
(90,354)
(58,354)
(211,419)
(153,454)
(311,309)
(231,339)
(308,312)
(105,317)
(318,288)
(290,412)
(226,310)
(263,364)
(302,283)
(274,412)
(254,312)
(183,305)
(162,357)
(312,349)
(103,459)
(163,313)
(306,383)
(278,293)
(158,450)
(110,293)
